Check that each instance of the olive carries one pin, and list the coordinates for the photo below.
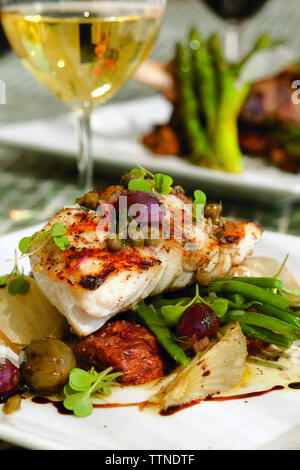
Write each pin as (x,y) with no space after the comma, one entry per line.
(212,210)
(12,404)
(137,241)
(46,364)
(154,239)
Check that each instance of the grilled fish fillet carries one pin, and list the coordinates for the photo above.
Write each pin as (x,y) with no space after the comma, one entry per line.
(89,284)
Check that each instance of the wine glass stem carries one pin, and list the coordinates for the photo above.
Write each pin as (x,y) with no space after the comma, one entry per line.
(232,49)
(85,161)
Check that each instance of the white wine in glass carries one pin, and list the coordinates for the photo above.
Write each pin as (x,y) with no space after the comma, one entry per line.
(83,51)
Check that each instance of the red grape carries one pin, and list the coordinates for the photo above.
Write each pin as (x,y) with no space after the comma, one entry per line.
(151,213)
(9,376)
(198,321)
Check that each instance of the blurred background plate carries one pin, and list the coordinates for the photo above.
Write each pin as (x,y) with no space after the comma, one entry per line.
(117,147)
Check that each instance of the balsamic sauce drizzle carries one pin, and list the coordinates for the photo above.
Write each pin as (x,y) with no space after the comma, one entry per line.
(58,404)
(294,385)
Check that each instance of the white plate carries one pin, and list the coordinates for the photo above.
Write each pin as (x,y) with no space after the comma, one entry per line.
(117,146)
(268,421)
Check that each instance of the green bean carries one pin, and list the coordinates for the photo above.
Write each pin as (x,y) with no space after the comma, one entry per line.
(295,293)
(264,321)
(266,336)
(266,282)
(236,299)
(252,292)
(161,332)
(280,314)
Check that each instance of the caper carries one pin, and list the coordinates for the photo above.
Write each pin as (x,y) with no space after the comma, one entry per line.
(153,239)
(46,364)
(12,404)
(179,189)
(137,240)
(154,242)
(125,179)
(116,244)
(212,210)
(89,200)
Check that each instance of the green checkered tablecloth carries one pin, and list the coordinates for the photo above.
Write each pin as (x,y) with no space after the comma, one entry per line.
(39,184)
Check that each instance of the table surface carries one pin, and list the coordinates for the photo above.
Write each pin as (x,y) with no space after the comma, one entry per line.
(37,184)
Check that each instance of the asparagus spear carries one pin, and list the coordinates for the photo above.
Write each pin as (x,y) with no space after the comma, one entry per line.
(188,104)
(263,42)
(206,82)
(226,139)
(204,77)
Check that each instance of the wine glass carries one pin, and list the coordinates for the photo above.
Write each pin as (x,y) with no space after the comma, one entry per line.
(235,12)
(83,51)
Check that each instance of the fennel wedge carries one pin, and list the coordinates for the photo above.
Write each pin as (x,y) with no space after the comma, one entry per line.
(217,369)
(24,318)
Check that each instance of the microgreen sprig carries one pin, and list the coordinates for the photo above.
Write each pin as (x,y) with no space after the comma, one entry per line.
(17,285)
(56,233)
(82,384)
(172,313)
(283,290)
(160,183)
(163,183)
(199,203)
(281,267)
(149,182)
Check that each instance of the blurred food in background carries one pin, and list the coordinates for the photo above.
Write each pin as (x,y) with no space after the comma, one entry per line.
(269,122)
(218,114)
